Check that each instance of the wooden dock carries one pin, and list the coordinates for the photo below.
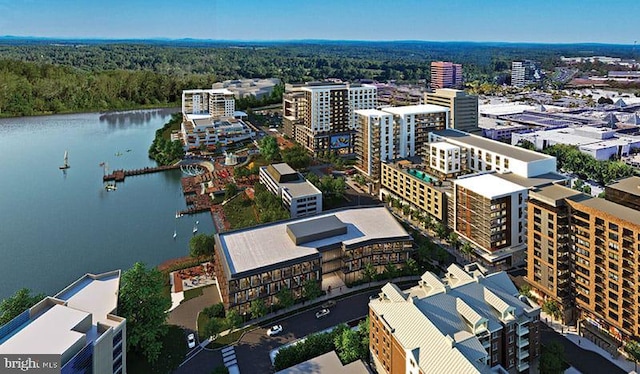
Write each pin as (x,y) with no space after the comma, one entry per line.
(119,175)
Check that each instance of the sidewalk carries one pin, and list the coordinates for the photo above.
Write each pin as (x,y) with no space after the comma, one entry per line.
(571,334)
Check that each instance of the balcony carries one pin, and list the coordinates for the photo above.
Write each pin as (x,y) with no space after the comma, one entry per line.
(523,366)
(522,330)
(523,353)
(523,342)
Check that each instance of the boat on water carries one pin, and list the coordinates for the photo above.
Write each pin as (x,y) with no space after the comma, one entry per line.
(65,165)
(178,214)
(195,227)
(110,187)
(175,234)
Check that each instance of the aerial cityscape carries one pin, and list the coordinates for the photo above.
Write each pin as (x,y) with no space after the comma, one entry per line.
(319,187)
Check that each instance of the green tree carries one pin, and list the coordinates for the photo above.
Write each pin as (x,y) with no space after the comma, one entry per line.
(552,308)
(454,239)
(269,149)
(311,289)
(348,345)
(257,308)
(285,298)
(632,348)
(390,271)
(12,306)
(212,328)
(369,272)
(552,358)
(214,311)
(411,267)
(525,290)
(441,230)
(230,190)
(143,302)
(233,320)
(467,249)
(406,210)
(201,245)
(297,157)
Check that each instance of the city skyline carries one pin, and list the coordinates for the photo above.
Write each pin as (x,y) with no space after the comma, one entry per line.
(251,20)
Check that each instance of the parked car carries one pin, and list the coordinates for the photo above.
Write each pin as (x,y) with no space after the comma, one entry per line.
(328,304)
(274,330)
(322,312)
(191,341)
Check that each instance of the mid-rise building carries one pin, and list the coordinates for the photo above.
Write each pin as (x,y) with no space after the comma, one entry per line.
(490,212)
(395,132)
(216,103)
(321,115)
(603,241)
(78,324)
(625,192)
(525,72)
(466,322)
(257,262)
(299,196)
(463,108)
(446,74)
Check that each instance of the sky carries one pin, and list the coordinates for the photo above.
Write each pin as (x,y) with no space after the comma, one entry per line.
(546,21)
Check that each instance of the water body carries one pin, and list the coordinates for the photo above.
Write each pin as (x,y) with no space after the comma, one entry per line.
(56,226)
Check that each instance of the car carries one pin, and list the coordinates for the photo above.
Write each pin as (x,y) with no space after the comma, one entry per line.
(191,341)
(328,304)
(274,330)
(322,313)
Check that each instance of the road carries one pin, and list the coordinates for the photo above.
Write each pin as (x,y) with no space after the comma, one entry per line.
(252,351)
(586,361)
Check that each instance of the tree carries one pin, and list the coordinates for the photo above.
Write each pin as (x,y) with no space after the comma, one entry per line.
(311,289)
(269,148)
(230,190)
(525,290)
(296,156)
(390,271)
(12,306)
(348,345)
(214,311)
(257,308)
(233,319)
(201,245)
(411,267)
(285,298)
(143,302)
(552,308)
(406,210)
(212,327)
(632,348)
(369,272)
(441,230)
(467,249)
(453,239)
(552,358)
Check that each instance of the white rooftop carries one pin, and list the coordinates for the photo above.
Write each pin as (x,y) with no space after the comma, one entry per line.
(415,109)
(253,248)
(489,185)
(371,112)
(503,109)
(98,297)
(444,145)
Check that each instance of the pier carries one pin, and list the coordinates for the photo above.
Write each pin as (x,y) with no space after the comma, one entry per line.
(119,175)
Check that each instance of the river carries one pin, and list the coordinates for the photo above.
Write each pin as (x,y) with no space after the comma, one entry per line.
(56,226)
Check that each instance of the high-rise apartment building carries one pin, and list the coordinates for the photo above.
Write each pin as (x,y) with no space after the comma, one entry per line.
(599,239)
(321,115)
(78,324)
(216,103)
(463,108)
(525,72)
(466,322)
(395,132)
(446,75)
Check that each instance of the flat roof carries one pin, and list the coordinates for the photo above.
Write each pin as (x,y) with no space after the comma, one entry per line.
(444,145)
(97,295)
(316,229)
(415,109)
(537,181)
(326,363)
(511,151)
(551,194)
(489,185)
(250,249)
(371,112)
(629,185)
(300,188)
(622,212)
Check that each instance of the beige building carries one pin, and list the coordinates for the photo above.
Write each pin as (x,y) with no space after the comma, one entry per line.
(463,108)
(465,322)
(299,196)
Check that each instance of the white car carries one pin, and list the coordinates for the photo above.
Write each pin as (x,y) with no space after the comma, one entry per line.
(191,341)
(274,330)
(322,312)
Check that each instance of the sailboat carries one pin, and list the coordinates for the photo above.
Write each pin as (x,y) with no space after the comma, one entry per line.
(175,233)
(195,227)
(66,161)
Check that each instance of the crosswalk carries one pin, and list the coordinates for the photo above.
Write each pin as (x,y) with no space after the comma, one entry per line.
(229,358)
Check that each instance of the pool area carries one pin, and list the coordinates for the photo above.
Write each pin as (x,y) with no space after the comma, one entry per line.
(422,175)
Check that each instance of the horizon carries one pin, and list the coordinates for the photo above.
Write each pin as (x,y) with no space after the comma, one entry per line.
(490,21)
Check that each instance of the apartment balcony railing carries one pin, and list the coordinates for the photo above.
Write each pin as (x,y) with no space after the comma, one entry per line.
(522,330)
(523,342)
(523,366)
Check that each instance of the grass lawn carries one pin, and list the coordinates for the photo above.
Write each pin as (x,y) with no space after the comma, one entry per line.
(193,293)
(174,349)
(240,212)
(227,339)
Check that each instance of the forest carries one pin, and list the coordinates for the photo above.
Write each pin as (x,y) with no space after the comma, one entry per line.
(48,76)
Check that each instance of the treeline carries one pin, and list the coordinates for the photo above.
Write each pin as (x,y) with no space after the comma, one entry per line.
(162,149)
(37,88)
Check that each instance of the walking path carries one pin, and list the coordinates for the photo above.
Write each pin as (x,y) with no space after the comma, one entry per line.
(572,335)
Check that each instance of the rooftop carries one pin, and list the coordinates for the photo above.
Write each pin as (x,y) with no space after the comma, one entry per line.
(490,186)
(629,185)
(511,151)
(537,181)
(620,211)
(553,193)
(251,249)
(371,112)
(416,109)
